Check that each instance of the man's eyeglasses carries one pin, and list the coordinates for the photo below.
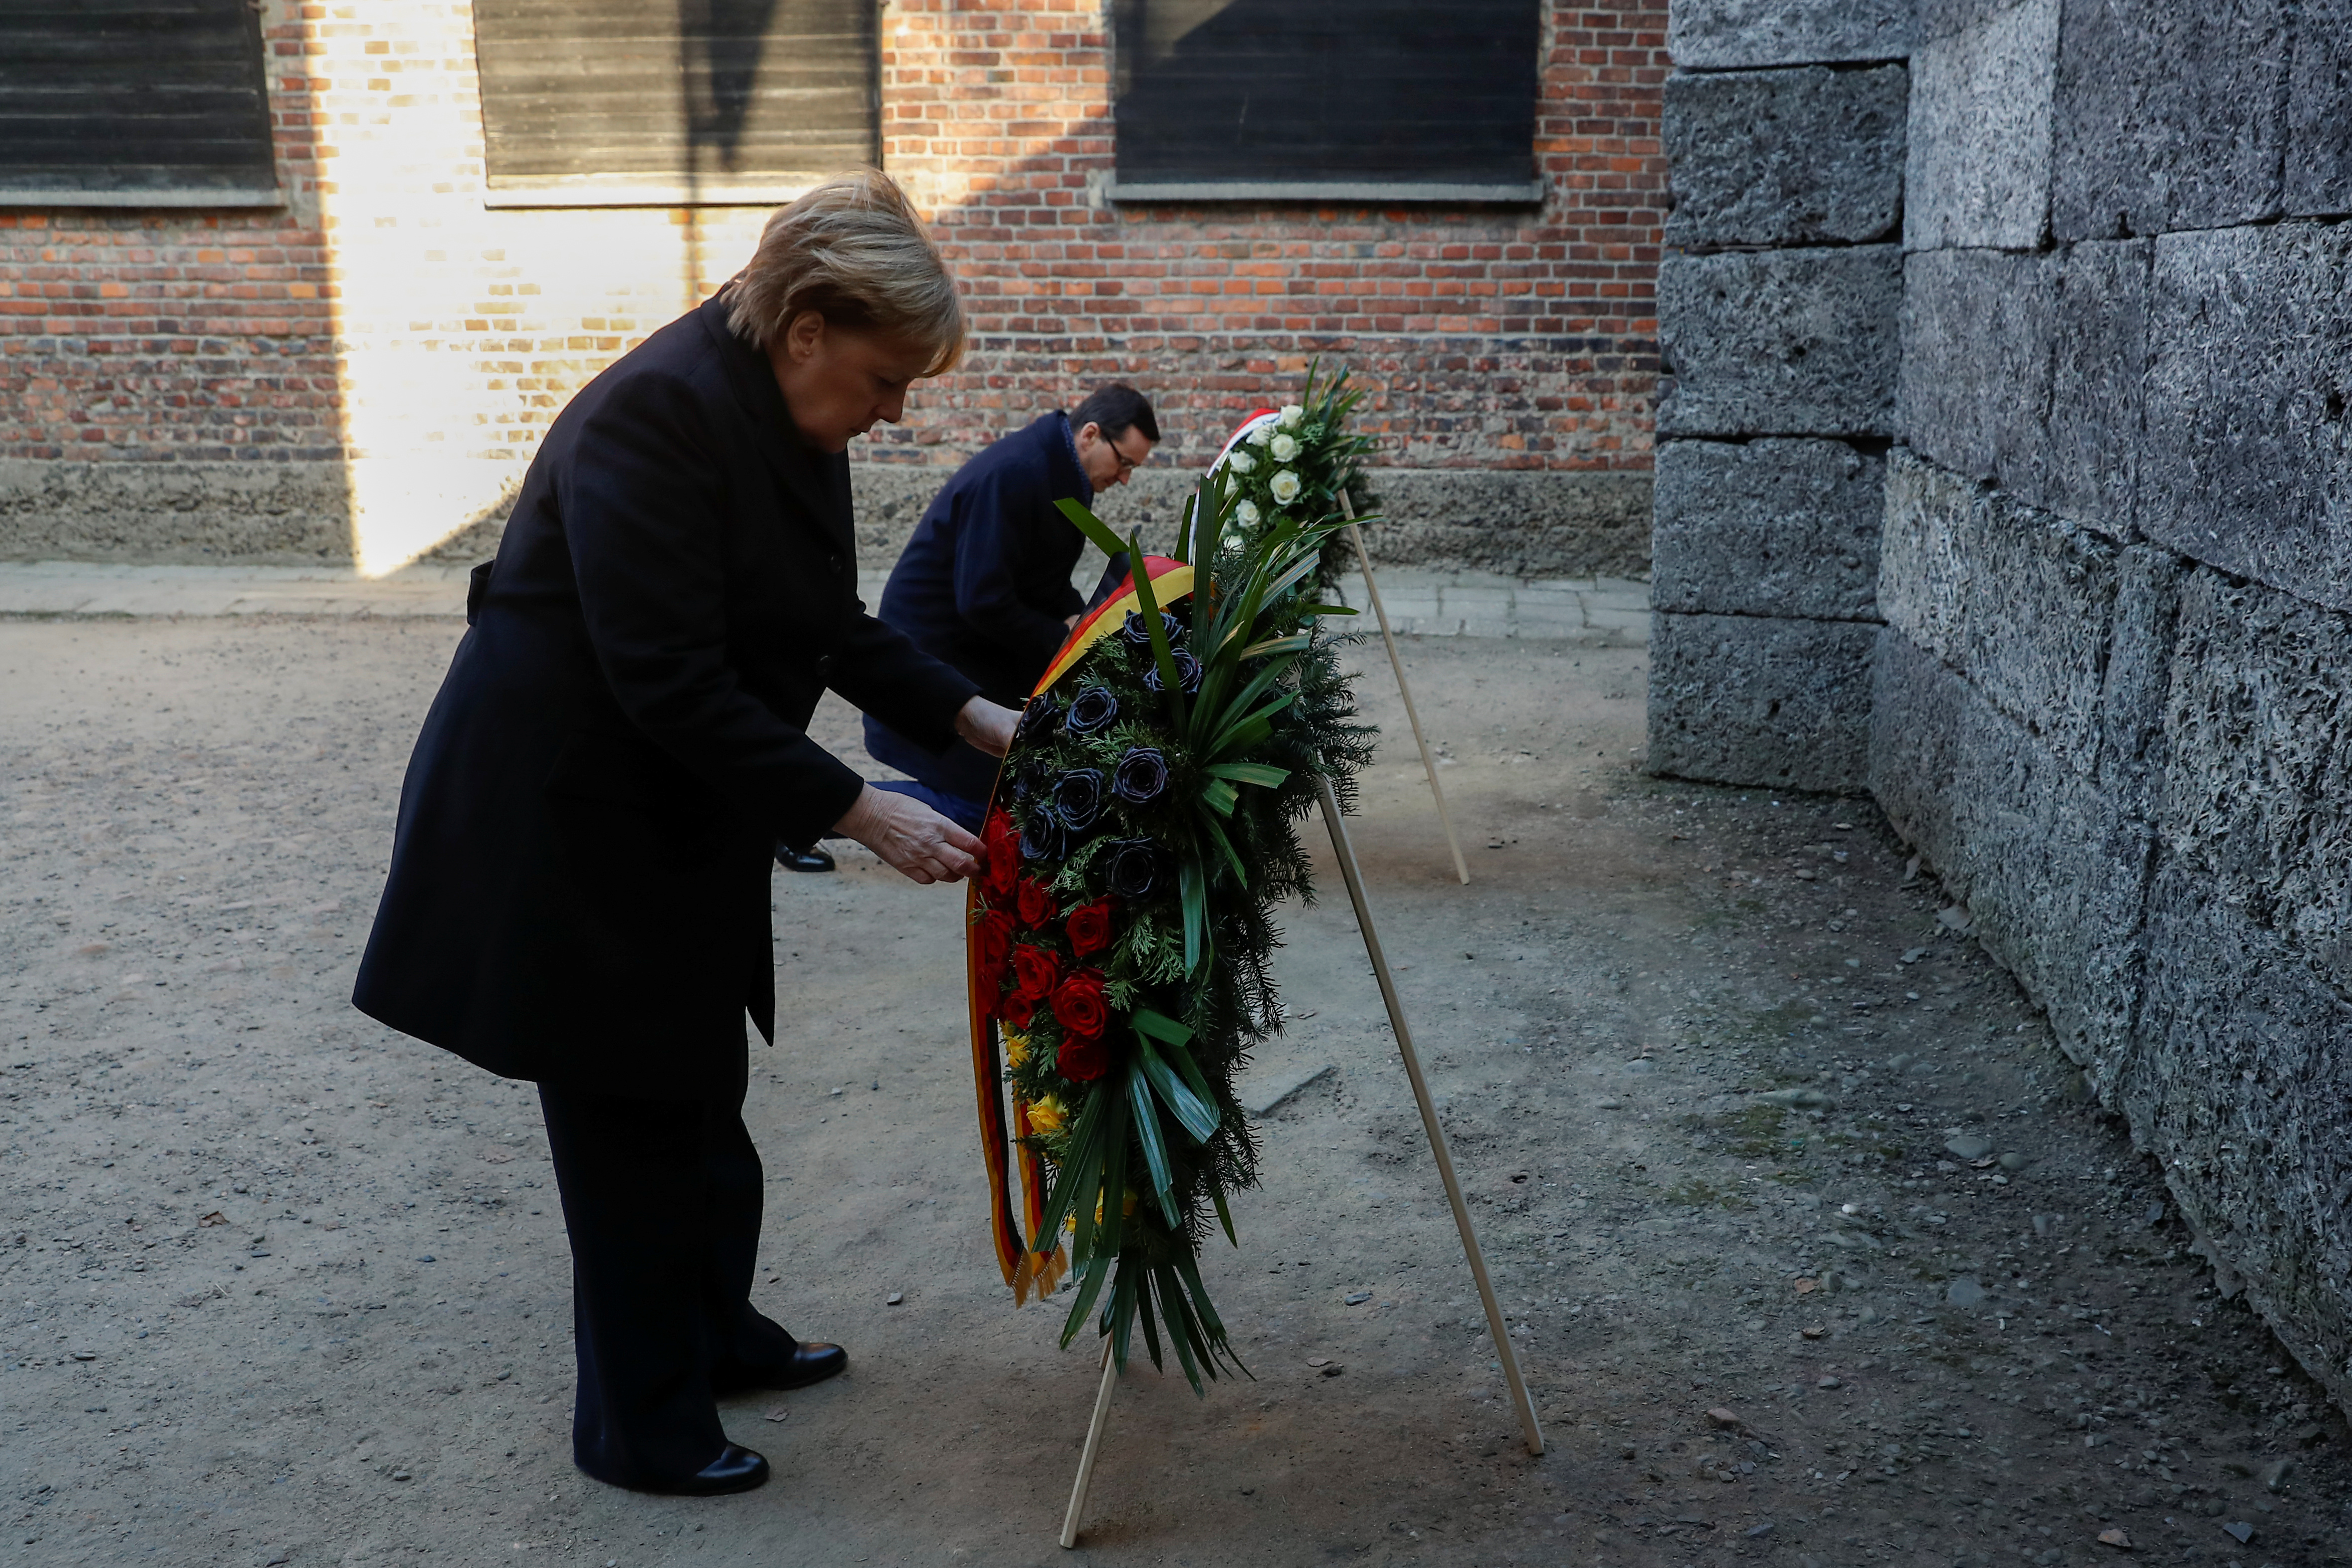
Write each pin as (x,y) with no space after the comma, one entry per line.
(1129,465)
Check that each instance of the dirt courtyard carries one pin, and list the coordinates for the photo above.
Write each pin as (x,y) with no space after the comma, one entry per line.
(1813,1252)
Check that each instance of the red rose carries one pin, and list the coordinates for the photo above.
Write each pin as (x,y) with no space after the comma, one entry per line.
(991,945)
(1000,844)
(1014,1008)
(1036,905)
(1082,1059)
(1089,926)
(1079,1005)
(1034,971)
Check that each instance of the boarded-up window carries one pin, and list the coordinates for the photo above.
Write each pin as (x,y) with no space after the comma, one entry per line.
(610,102)
(133,103)
(1397,100)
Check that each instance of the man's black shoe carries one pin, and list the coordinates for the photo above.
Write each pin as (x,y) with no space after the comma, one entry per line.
(735,1469)
(808,1363)
(814,858)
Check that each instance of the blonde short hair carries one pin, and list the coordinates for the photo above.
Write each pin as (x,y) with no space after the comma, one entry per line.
(853,251)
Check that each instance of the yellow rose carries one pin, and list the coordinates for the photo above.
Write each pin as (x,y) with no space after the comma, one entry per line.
(1127,1201)
(1047,1115)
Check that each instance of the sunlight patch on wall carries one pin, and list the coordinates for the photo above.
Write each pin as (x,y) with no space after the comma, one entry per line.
(461,331)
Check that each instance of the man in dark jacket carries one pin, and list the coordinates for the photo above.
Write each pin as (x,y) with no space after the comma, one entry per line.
(985,583)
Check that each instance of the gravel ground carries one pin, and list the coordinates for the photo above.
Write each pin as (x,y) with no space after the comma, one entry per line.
(1814,1253)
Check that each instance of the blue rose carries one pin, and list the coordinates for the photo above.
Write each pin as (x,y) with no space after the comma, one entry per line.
(1134,870)
(1037,719)
(1140,775)
(1091,712)
(1137,631)
(1043,839)
(1188,671)
(1078,799)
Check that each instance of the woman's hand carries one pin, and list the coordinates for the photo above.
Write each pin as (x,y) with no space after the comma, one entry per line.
(987,726)
(914,840)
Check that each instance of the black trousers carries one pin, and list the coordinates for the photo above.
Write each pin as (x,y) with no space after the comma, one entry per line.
(662,1201)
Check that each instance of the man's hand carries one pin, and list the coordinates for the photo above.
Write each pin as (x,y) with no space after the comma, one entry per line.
(987,726)
(914,840)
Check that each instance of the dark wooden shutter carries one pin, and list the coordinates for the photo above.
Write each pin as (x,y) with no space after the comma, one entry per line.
(133,103)
(1429,98)
(672,101)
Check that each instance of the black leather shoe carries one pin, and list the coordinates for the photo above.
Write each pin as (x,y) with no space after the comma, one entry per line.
(814,858)
(735,1469)
(808,1363)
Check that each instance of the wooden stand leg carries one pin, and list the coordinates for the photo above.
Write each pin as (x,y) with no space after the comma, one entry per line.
(1094,1446)
(1428,762)
(1495,1326)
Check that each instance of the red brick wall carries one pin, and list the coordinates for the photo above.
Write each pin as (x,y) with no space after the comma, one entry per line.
(173,334)
(1493,338)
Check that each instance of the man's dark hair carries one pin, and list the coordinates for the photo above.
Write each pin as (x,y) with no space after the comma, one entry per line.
(1117,408)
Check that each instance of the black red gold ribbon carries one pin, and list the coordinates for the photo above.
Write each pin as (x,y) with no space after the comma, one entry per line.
(1026,1270)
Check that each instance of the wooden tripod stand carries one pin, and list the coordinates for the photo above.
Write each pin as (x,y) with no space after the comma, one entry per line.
(1495,1326)
(1412,717)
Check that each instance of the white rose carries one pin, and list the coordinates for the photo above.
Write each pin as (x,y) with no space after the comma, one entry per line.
(1241,461)
(1247,512)
(1291,415)
(1285,447)
(1285,487)
(1260,434)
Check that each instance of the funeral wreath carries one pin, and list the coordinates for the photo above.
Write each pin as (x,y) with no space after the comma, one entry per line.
(1143,830)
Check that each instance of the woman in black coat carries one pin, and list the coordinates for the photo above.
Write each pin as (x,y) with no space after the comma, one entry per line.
(579,885)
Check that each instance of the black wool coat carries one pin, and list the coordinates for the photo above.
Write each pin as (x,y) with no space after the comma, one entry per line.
(984,582)
(579,890)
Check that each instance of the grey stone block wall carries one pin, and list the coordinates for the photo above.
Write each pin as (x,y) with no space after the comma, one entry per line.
(2064,631)
(2258,802)
(1992,73)
(1779,330)
(2112,703)
(2057,627)
(1797,157)
(2088,466)
(2029,371)
(2241,1082)
(1773,527)
(2169,116)
(2248,460)
(1747,699)
(2319,111)
(1972,788)
(1779,342)
(1719,35)
(1974,388)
